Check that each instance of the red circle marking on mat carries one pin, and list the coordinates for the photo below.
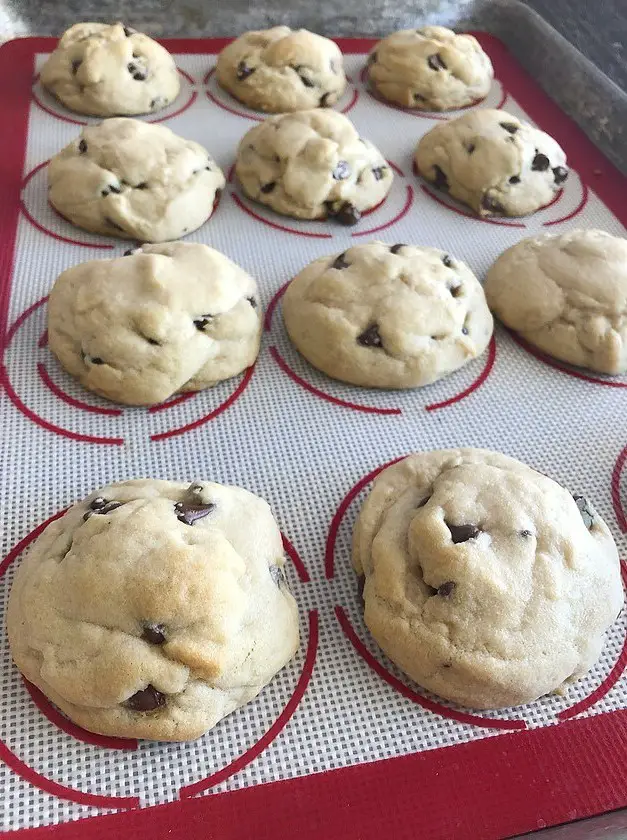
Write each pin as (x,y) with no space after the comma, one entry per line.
(406,691)
(615,490)
(279,724)
(609,682)
(573,213)
(202,420)
(352,103)
(368,409)
(267,323)
(176,401)
(275,225)
(461,212)
(66,398)
(55,114)
(21,318)
(43,340)
(538,354)
(476,384)
(66,725)
(329,552)
(294,556)
(408,202)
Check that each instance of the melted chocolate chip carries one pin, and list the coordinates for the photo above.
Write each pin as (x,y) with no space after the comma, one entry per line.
(379,172)
(252,302)
(584,509)
(128,31)
(446,589)
(448,262)
(342,171)
(560,173)
(511,128)
(75,65)
(101,506)
(340,263)
(463,533)
(435,62)
(189,513)
(267,188)
(244,71)
(201,323)
(346,214)
(154,634)
(278,575)
(440,181)
(540,163)
(82,147)
(470,147)
(370,337)
(515,179)
(147,700)
(396,248)
(324,100)
(491,204)
(136,72)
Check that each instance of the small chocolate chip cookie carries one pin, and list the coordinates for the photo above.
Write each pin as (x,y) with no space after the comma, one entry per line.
(153,609)
(485,581)
(387,316)
(431,69)
(164,319)
(110,70)
(134,180)
(567,295)
(278,70)
(494,162)
(312,165)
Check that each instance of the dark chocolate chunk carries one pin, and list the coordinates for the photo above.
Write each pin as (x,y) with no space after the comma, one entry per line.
(464,330)
(278,575)
(101,506)
(267,188)
(128,31)
(540,163)
(154,634)
(378,172)
(252,302)
(147,700)
(526,533)
(440,181)
(584,509)
(201,323)
(446,589)
(511,128)
(560,173)
(82,147)
(370,337)
(75,65)
(189,513)
(463,533)
(448,262)
(112,223)
(491,204)
(515,179)
(340,263)
(396,248)
(324,100)
(435,62)
(342,171)
(347,214)
(136,72)
(244,71)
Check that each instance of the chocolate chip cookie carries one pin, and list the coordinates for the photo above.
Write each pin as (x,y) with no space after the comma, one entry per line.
(431,69)
(110,70)
(133,180)
(161,320)
(485,581)
(278,70)
(153,609)
(494,162)
(387,316)
(312,165)
(567,295)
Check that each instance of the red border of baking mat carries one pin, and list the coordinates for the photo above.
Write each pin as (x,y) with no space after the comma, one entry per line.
(489,788)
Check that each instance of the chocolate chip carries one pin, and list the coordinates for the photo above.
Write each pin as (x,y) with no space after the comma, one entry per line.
(396,248)
(136,55)
(278,575)
(448,262)
(540,163)
(201,323)
(514,179)
(154,634)
(324,100)
(75,65)
(526,533)
(98,503)
(82,147)
(142,186)
(463,533)
(153,341)
(370,337)
(418,97)
(130,252)
(511,128)
(147,700)
(189,513)
(584,509)
(440,181)
(435,62)
(128,31)
(102,507)
(136,72)
(455,290)
(111,188)
(340,262)
(252,302)
(267,188)
(446,589)
(346,214)
(158,102)
(378,172)
(342,171)
(560,173)
(464,330)
(307,82)
(243,71)
(470,147)
(112,223)
(491,204)
(96,360)
(372,58)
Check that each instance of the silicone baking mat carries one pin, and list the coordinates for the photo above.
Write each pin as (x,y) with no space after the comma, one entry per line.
(340,744)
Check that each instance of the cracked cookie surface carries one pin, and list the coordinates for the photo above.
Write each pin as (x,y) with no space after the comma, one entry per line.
(134,180)
(279,70)
(431,69)
(153,609)
(387,316)
(485,581)
(113,70)
(567,295)
(493,162)
(164,319)
(312,165)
